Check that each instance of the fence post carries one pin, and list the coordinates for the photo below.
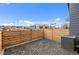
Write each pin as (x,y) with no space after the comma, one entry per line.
(0,41)
(52,34)
(31,34)
(43,34)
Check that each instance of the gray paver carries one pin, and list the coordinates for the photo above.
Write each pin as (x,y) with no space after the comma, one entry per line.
(40,47)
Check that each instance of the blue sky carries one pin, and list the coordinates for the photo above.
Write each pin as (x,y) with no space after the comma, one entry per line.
(30,13)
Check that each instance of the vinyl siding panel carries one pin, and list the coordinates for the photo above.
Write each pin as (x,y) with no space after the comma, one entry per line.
(74,19)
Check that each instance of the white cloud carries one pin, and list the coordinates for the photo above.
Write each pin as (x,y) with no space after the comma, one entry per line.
(58,22)
(42,22)
(8,24)
(57,19)
(25,23)
(29,22)
(20,23)
(7,3)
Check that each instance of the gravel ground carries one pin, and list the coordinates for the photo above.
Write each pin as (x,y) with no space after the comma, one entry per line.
(40,47)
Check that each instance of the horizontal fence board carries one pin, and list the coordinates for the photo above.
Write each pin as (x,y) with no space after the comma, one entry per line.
(55,34)
(10,38)
(36,34)
(58,33)
(16,37)
(48,34)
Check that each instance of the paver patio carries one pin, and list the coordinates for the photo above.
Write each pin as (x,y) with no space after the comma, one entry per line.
(39,47)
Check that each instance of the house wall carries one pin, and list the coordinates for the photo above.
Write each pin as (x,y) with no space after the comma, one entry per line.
(74,19)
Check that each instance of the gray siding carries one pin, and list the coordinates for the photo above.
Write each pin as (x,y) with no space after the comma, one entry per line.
(74,19)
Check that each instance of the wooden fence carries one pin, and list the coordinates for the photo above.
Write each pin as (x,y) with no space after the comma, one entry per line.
(48,34)
(13,38)
(0,40)
(10,38)
(37,34)
(55,34)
